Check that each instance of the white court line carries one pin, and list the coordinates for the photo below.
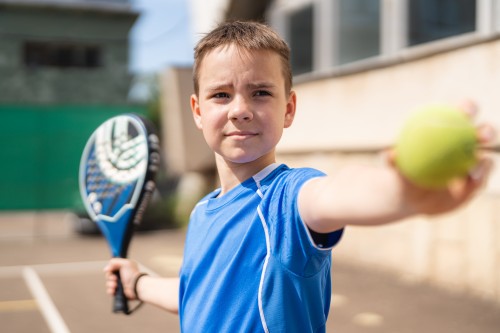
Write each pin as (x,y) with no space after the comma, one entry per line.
(47,307)
(59,268)
(63,268)
(70,267)
(11,271)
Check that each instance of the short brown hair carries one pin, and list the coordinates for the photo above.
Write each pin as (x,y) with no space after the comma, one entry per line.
(247,35)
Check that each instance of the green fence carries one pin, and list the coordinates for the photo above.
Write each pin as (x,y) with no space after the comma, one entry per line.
(41,150)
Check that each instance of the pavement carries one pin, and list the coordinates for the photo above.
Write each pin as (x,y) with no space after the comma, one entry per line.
(52,281)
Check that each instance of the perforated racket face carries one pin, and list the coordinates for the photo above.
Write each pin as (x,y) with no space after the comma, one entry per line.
(113,168)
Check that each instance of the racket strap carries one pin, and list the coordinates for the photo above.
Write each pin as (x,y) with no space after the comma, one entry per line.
(135,308)
(136,281)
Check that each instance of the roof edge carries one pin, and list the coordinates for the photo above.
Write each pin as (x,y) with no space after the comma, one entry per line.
(110,7)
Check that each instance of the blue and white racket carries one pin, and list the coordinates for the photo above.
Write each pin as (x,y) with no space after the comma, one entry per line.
(117,173)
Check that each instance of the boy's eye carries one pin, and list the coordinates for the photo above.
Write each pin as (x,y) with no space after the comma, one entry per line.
(221,95)
(262,93)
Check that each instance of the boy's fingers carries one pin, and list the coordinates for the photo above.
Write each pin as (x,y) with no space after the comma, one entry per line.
(114,265)
(476,179)
(486,134)
(111,277)
(389,156)
(111,283)
(469,107)
(480,173)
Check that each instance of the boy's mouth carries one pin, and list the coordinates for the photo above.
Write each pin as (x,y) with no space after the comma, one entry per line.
(241,134)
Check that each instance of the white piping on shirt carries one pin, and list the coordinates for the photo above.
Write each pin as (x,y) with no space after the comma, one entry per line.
(263,174)
(264,268)
(258,178)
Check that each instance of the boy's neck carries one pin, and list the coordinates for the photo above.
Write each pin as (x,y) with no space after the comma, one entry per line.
(232,174)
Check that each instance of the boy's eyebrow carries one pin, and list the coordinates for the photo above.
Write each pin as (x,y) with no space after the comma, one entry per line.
(221,86)
(250,86)
(261,85)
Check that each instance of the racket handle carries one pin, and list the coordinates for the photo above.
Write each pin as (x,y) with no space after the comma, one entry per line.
(120,302)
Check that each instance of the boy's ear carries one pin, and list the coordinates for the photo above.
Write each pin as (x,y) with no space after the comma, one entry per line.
(195,108)
(291,106)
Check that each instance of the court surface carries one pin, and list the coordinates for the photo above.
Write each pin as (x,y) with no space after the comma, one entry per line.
(51,281)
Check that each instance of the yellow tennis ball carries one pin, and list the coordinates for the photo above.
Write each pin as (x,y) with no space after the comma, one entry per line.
(436,145)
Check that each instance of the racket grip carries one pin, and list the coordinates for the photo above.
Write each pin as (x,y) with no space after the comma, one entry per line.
(120,302)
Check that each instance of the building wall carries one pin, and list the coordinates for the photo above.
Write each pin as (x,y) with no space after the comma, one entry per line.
(339,118)
(48,112)
(368,107)
(365,110)
(184,147)
(107,30)
(206,15)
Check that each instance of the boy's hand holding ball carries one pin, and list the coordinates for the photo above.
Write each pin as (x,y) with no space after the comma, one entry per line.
(438,154)
(437,144)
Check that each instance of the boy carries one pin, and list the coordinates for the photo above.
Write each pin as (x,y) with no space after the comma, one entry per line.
(257,251)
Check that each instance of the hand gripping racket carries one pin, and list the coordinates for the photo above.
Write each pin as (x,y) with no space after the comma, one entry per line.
(117,172)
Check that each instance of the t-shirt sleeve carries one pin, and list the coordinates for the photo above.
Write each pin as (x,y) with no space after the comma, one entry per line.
(299,249)
(327,240)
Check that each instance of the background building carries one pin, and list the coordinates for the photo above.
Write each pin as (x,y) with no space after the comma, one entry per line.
(63,70)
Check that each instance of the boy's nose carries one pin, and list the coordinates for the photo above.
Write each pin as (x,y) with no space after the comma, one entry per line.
(240,110)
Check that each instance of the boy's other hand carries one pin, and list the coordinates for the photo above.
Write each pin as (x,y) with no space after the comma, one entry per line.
(128,271)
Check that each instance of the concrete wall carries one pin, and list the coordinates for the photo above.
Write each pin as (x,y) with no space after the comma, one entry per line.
(367,108)
(185,149)
(206,15)
(459,251)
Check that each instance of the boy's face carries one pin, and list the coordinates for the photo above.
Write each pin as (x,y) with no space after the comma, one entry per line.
(242,107)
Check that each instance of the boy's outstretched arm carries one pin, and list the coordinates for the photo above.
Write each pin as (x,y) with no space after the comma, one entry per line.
(368,195)
(158,291)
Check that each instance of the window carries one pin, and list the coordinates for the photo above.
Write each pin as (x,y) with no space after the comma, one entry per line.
(37,54)
(359,30)
(326,34)
(301,40)
(431,20)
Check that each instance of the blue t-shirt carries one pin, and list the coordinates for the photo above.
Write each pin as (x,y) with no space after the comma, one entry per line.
(251,264)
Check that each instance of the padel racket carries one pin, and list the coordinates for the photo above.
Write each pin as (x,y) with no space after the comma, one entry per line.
(117,172)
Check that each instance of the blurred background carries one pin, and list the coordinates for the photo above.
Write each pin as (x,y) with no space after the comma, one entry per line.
(360,68)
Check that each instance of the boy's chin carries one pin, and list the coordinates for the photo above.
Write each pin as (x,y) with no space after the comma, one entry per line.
(251,159)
